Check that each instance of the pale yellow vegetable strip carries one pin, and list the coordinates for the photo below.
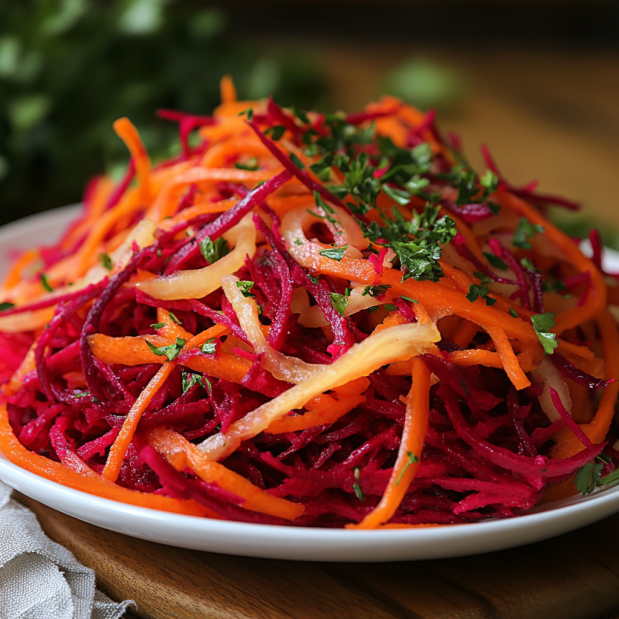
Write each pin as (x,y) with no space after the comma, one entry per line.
(393,344)
(198,283)
(282,367)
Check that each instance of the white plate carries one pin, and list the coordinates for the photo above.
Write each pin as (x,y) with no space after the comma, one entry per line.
(277,542)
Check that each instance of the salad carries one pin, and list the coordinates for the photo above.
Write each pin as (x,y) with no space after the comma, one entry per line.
(311,319)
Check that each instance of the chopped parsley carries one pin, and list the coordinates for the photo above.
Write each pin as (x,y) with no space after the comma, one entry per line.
(409,299)
(170,352)
(411,458)
(212,251)
(554,285)
(250,166)
(6,305)
(174,318)
(45,283)
(296,161)
(209,347)
(276,132)
(495,261)
(335,253)
(189,380)
(357,487)
(158,325)
(426,233)
(543,323)
(527,264)
(245,287)
(513,312)
(482,277)
(105,261)
(375,291)
(476,291)
(339,302)
(524,232)
(588,478)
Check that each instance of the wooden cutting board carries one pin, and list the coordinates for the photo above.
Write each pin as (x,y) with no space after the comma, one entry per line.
(575,576)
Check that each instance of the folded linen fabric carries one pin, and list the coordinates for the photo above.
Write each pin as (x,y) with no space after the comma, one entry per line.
(40,579)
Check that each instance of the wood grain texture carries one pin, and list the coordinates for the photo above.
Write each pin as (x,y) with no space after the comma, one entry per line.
(575,576)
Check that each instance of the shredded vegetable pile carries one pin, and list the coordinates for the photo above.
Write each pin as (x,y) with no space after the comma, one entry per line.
(312,320)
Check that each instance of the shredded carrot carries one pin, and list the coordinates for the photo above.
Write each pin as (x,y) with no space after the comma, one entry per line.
(411,445)
(228,91)
(182,453)
(119,448)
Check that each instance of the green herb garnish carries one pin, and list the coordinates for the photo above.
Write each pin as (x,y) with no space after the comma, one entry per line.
(543,323)
(105,261)
(339,302)
(524,232)
(209,347)
(45,283)
(335,253)
(212,251)
(411,458)
(245,287)
(170,352)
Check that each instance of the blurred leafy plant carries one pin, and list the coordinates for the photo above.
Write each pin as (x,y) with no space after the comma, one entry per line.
(426,84)
(69,68)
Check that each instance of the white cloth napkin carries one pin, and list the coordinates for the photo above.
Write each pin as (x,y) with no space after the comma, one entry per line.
(40,579)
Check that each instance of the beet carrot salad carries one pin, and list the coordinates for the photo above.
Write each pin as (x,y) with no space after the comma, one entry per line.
(312,319)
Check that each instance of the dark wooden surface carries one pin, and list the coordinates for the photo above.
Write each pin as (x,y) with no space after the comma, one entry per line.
(575,576)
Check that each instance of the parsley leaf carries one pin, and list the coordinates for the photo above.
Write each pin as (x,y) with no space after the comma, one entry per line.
(105,261)
(525,231)
(245,287)
(419,261)
(189,380)
(400,196)
(209,347)
(375,291)
(476,291)
(409,299)
(339,302)
(411,458)
(275,132)
(6,305)
(554,285)
(251,165)
(158,325)
(174,318)
(45,283)
(357,488)
(212,251)
(482,277)
(513,312)
(495,261)
(527,264)
(588,477)
(335,253)
(296,161)
(543,323)
(170,352)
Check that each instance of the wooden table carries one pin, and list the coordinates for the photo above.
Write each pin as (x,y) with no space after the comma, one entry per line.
(575,576)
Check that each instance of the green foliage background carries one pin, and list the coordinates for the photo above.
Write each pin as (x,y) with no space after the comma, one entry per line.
(69,68)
